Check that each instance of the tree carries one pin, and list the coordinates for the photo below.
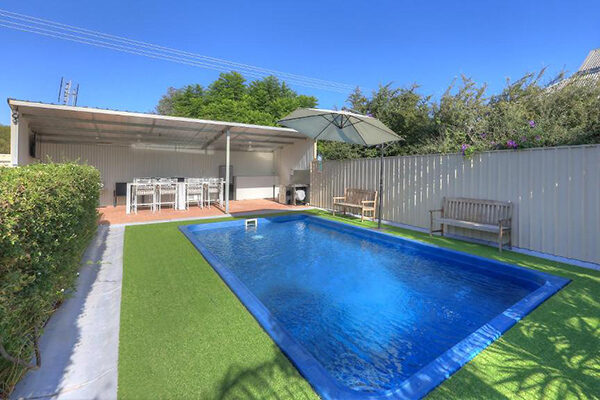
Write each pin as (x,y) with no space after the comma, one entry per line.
(4,139)
(465,118)
(459,117)
(231,98)
(406,112)
(230,86)
(526,113)
(403,110)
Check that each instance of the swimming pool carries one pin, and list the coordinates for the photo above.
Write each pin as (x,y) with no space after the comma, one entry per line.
(364,314)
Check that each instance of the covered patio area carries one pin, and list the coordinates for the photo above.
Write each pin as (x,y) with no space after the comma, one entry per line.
(251,162)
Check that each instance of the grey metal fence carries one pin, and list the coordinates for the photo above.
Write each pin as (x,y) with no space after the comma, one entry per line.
(556,192)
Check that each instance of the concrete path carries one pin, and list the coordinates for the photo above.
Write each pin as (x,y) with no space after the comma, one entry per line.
(80,344)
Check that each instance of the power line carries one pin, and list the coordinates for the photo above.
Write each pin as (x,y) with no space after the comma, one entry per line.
(45,32)
(145,53)
(61,31)
(72,28)
(152,54)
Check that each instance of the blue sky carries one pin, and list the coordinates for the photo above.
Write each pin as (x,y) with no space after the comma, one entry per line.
(354,42)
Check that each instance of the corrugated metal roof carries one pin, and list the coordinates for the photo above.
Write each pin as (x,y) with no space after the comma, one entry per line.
(591,62)
(587,74)
(54,123)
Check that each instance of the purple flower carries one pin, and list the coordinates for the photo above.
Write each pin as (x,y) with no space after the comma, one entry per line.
(523,138)
(493,143)
(531,123)
(512,144)
(464,148)
(538,138)
(482,135)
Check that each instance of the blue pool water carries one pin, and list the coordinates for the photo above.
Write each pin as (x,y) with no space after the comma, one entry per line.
(367,310)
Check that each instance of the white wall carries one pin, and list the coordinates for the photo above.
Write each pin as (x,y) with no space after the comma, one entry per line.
(255,187)
(296,156)
(122,164)
(20,135)
(555,191)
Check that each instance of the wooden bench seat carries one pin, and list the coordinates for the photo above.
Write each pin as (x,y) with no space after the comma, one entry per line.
(351,205)
(364,201)
(468,224)
(482,215)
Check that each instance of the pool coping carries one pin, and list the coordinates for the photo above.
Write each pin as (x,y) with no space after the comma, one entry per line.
(428,377)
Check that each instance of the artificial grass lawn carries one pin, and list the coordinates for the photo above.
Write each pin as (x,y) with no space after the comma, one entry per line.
(184,334)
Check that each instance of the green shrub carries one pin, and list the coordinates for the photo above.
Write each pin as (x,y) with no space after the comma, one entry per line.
(527,113)
(4,139)
(47,218)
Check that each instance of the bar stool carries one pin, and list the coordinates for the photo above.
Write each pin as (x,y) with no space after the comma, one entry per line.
(194,192)
(167,192)
(213,190)
(142,188)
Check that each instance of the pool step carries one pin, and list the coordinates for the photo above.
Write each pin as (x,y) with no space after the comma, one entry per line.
(251,222)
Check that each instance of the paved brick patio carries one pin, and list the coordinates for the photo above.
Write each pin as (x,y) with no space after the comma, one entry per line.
(116,215)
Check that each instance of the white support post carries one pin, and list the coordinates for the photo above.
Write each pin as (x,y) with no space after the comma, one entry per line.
(228,138)
(128,199)
(14,138)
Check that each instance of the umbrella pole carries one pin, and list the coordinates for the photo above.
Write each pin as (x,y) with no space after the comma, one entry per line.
(380,188)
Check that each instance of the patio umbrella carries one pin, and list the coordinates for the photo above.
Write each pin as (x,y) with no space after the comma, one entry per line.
(346,127)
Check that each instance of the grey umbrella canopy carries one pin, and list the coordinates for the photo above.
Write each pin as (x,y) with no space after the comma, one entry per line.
(343,126)
(339,126)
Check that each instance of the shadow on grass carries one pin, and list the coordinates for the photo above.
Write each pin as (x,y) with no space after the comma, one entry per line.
(274,380)
(554,355)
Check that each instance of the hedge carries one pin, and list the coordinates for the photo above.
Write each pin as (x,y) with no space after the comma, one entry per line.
(467,118)
(47,218)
